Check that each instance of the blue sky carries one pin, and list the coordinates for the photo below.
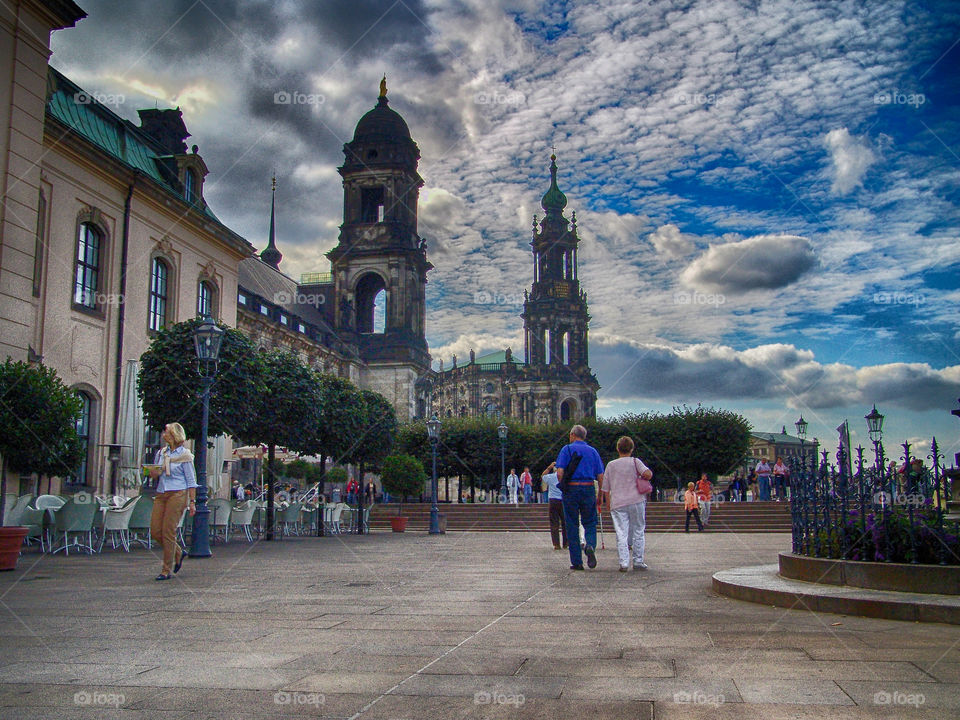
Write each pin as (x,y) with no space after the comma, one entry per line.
(767,193)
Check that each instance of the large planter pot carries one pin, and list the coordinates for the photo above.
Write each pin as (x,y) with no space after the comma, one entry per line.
(398,523)
(11,539)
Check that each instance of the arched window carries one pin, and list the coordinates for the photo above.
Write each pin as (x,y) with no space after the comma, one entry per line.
(84,425)
(491,410)
(159,288)
(206,299)
(548,355)
(190,186)
(568,410)
(86,286)
(564,348)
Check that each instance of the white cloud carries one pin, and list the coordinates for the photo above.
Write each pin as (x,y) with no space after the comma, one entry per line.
(851,158)
(669,241)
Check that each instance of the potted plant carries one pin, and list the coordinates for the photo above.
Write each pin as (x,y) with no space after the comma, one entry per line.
(36,405)
(401,475)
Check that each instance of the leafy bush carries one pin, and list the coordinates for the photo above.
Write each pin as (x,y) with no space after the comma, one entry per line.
(402,475)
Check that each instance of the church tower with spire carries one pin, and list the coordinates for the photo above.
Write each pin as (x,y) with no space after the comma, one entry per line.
(557,384)
(271,255)
(380,264)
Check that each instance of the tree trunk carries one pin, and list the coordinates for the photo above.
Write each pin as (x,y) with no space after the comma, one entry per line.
(271,454)
(3,488)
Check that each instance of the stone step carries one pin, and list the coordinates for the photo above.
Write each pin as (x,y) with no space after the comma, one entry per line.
(661,517)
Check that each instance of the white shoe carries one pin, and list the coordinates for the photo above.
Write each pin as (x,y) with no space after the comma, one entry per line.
(640,566)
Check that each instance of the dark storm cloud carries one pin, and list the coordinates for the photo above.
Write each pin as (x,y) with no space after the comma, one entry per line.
(362,29)
(762,262)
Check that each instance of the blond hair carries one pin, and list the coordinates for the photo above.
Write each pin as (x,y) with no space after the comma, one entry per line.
(177,434)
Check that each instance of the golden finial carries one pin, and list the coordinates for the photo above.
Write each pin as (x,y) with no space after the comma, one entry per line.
(383,86)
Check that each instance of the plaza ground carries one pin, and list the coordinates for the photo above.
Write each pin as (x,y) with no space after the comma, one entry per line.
(466,625)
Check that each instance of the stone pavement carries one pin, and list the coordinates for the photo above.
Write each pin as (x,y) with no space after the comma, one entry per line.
(467,625)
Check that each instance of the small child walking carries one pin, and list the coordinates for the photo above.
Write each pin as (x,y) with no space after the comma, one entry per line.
(692,505)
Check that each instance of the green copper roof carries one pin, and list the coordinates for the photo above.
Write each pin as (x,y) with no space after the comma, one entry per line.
(553,199)
(123,141)
(496,358)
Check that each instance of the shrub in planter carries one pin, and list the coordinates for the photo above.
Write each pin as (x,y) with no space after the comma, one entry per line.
(402,475)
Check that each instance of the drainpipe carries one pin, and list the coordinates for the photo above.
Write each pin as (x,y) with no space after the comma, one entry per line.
(121,310)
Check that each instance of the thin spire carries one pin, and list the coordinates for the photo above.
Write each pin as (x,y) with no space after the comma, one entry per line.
(270,255)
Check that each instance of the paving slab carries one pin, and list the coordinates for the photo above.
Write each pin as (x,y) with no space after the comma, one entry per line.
(428,628)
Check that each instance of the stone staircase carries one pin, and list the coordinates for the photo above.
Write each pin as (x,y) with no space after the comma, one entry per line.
(767,517)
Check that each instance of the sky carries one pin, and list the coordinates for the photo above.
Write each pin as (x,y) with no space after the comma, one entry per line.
(766,192)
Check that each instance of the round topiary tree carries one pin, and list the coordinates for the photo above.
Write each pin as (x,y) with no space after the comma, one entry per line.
(402,475)
(38,422)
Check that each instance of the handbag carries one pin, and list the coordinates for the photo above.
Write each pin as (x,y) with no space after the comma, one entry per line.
(644,487)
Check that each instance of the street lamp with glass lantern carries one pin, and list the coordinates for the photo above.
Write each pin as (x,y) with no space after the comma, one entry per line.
(801,425)
(875,428)
(502,431)
(433,432)
(206,342)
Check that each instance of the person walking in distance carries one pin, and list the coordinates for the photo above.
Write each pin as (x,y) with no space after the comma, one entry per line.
(626,484)
(578,467)
(780,472)
(513,482)
(763,478)
(555,500)
(526,482)
(691,503)
(705,495)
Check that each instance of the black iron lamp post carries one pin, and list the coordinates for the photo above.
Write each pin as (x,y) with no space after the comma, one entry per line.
(433,432)
(206,340)
(875,428)
(502,431)
(802,434)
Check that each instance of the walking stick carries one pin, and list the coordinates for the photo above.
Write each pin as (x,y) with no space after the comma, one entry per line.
(600,514)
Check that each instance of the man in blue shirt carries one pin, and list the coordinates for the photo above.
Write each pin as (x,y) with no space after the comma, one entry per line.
(580,495)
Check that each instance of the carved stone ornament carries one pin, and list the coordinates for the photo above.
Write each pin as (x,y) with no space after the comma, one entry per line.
(165,245)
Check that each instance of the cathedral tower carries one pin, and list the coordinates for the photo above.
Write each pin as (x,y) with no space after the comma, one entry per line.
(555,320)
(380,264)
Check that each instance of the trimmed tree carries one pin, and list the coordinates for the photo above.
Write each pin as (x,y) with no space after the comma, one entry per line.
(402,475)
(38,423)
(287,414)
(169,386)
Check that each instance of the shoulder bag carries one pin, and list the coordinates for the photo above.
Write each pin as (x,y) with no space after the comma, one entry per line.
(644,487)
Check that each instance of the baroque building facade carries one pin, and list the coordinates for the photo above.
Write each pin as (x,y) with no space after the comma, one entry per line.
(553,382)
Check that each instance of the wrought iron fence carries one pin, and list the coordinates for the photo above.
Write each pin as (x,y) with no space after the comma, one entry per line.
(855,510)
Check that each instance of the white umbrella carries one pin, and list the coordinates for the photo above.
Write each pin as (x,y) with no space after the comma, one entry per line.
(215,464)
(132,428)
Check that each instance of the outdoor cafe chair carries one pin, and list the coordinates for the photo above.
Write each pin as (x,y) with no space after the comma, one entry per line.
(14,514)
(32,519)
(182,524)
(288,519)
(241,517)
(220,509)
(76,517)
(139,526)
(49,501)
(335,518)
(116,521)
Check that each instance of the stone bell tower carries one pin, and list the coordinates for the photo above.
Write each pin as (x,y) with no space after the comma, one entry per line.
(380,264)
